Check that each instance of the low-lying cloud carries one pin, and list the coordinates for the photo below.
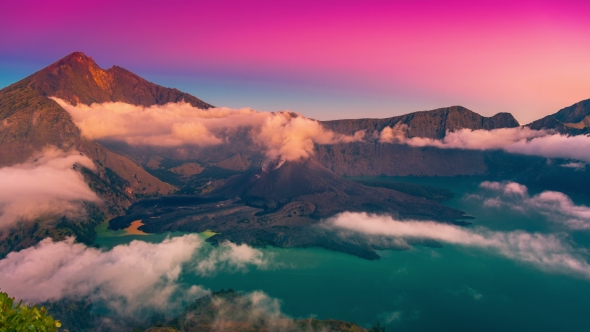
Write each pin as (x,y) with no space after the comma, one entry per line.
(128,278)
(555,146)
(282,135)
(557,206)
(47,185)
(252,310)
(578,166)
(521,140)
(547,252)
(231,257)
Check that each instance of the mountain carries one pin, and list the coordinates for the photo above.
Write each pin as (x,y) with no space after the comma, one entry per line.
(230,188)
(309,182)
(30,122)
(78,79)
(430,124)
(374,158)
(369,158)
(282,205)
(572,120)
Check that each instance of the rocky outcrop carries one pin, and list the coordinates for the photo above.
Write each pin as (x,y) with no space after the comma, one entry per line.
(431,124)
(572,120)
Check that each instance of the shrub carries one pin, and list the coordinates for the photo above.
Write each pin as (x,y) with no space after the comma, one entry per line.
(19,317)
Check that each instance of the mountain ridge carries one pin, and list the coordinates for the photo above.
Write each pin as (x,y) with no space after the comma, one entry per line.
(30,121)
(429,124)
(76,78)
(571,120)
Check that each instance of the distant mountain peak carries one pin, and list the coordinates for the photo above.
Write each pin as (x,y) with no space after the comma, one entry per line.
(76,78)
(572,120)
(431,124)
(76,56)
(76,60)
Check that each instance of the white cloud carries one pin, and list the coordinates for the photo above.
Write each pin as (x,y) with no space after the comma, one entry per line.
(557,206)
(252,310)
(127,279)
(282,135)
(575,165)
(390,317)
(47,185)
(547,252)
(555,146)
(521,140)
(230,256)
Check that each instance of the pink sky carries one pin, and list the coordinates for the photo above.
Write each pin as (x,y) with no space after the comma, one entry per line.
(328,59)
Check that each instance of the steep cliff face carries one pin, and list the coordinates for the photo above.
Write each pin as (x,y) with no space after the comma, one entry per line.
(431,124)
(368,158)
(572,120)
(373,158)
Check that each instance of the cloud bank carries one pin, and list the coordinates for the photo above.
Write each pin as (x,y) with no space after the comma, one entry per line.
(283,135)
(557,206)
(48,185)
(546,252)
(127,279)
(521,140)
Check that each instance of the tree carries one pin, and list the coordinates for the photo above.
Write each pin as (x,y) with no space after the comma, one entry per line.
(19,317)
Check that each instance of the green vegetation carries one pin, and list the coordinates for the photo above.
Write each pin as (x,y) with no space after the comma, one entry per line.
(19,317)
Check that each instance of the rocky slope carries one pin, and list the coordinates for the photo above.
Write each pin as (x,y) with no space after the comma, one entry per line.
(431,124)
(572,120)
(283,207)
(293,195)
(78,79)
(31,122)
(372,158)
(369,158)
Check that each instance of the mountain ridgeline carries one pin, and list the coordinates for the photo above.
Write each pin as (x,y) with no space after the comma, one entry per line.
(430,124)
(230,188)
(573,120)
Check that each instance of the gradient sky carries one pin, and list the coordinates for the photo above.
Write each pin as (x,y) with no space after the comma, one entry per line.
(324,59)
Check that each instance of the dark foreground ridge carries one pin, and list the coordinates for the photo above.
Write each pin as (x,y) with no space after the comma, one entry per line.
(233,311)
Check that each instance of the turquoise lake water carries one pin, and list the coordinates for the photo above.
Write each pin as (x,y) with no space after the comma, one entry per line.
(423,289)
